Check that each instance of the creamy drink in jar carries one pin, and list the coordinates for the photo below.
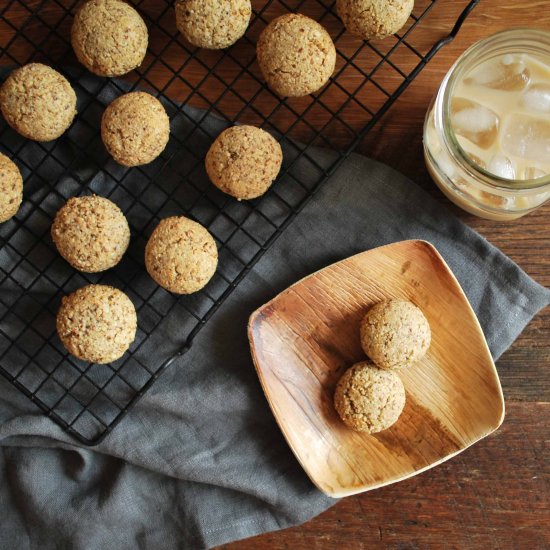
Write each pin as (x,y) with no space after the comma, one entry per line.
(487,135)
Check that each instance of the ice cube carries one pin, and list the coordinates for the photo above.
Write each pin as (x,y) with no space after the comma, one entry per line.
(474,121)
(472,156)
(477,160)
(526,137)
(532,172)
(446,164)
(537,98)
(496,201)
(501,166)
(507,73)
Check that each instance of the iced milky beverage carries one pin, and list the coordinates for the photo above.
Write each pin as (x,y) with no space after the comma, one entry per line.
(500,113)
(487,138)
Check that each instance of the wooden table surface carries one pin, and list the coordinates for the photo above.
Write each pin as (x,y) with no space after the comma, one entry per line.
(497,493)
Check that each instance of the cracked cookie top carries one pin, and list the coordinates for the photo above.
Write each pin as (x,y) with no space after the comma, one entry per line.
(296,55)
(38,102)
(244,161)
(97,323)
(368,19)
(11,188)
(395,334)
(213,24)
(135,128)
(109,37)
(181,255)
(91,233)
(369,399)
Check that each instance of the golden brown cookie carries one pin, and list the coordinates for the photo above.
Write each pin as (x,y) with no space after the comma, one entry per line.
(109,37)
(244,161)
(91,233)
(11,188)
(296,55)
(135,129)
(369,399)
(38,102)
(368,19)
(181,255)
(213,24)
(395,334)
(97,323)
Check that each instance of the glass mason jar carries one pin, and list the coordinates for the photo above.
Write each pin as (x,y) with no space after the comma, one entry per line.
(461,179)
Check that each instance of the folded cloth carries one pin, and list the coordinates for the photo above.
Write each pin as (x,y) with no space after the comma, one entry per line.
(200,460)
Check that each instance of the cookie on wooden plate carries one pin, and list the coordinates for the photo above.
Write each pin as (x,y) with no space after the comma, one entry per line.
(369,399)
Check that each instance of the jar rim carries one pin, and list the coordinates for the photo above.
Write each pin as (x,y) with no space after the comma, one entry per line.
(493,43)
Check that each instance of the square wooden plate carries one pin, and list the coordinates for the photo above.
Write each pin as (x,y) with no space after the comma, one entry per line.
(304,339)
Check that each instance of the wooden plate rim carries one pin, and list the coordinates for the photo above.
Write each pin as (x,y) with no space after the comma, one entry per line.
(339,494)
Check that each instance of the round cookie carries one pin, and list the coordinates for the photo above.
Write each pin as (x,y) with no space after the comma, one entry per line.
(181,255)
(11,188)
(109,37)
(97,323)
(38,102)
(395,334)
(296,55)
(244,161)
(91,233)
(368,19)
(369,399)
(213,24)
(135,129)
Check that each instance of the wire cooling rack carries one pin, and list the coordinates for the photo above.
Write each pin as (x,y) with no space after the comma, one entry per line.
(89,400)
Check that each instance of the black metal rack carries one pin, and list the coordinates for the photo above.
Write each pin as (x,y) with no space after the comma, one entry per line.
(89,400)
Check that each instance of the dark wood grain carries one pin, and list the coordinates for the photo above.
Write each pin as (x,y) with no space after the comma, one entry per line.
(496,494)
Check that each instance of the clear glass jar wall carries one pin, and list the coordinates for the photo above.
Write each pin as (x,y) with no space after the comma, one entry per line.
(465,181)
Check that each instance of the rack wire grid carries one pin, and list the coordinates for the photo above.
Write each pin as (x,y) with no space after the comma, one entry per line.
(89,400)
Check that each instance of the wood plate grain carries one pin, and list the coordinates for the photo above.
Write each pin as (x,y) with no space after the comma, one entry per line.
(304,339)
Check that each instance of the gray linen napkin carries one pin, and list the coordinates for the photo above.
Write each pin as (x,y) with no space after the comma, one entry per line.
(200,461)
